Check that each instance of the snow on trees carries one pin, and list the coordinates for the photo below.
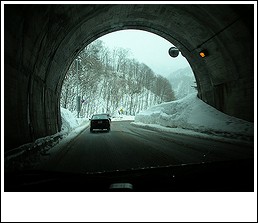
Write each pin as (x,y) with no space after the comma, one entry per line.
(108,80)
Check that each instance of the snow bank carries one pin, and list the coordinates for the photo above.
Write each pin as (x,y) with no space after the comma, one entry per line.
(123,118)
(69,120)
(193,114)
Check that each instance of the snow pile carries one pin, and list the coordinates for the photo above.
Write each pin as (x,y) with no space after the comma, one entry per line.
(69,120)
(123,118)
(193,114)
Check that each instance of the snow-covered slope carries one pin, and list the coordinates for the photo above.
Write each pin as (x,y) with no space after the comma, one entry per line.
(182,82)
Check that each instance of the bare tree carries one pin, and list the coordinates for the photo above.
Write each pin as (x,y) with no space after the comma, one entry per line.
(108,80)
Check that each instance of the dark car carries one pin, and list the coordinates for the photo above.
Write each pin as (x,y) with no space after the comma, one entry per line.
(100,122)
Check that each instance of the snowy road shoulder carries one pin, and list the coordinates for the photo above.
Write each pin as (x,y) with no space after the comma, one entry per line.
(236,139)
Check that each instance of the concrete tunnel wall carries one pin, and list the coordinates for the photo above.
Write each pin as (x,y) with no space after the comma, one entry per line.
(41,41)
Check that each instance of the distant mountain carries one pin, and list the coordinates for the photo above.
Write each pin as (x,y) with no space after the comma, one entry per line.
(183,82)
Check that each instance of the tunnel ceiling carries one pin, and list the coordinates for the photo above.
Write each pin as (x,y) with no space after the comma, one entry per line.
(41,41)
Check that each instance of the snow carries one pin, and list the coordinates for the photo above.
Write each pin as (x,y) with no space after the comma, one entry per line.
(72,126)
(123,118)
(190,115)
(68,120)
(183,82)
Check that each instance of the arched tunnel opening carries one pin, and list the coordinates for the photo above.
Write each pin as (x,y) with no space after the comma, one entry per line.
(129,71)
(41,41)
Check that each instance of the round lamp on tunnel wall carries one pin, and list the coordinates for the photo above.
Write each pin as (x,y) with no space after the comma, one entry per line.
(173,51)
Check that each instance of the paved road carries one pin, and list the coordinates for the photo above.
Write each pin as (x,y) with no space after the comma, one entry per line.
(130,147)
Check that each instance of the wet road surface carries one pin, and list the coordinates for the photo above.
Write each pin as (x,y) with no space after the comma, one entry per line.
(130,147)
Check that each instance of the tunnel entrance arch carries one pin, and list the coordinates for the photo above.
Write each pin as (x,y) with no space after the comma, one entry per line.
(41,41)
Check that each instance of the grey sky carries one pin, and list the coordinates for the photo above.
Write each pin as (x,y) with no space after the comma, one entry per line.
(147,48)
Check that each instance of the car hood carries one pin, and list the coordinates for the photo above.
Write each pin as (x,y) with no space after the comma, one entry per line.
(226,176)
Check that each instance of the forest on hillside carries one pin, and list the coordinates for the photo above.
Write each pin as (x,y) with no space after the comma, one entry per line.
(107,81)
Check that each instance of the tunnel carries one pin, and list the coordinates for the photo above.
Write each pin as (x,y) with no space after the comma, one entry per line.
(42,40)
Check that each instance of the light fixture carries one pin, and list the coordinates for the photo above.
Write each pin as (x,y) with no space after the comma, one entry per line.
(203,53)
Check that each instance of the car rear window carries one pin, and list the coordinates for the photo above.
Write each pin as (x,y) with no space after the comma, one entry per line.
(99,117)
